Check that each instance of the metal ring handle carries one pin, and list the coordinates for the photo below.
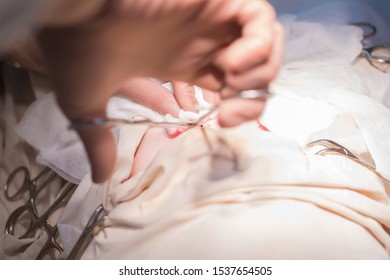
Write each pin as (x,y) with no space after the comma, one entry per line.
(25,184)
(366,25)
(378,58)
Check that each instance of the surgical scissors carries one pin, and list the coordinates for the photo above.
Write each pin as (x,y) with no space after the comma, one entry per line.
(378,55)
(112,122)
(26,221)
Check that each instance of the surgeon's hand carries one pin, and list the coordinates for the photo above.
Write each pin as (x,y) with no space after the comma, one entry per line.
(221,45)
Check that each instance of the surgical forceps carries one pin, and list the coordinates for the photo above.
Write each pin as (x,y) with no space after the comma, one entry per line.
(111,122)
(26,221)
(379,55)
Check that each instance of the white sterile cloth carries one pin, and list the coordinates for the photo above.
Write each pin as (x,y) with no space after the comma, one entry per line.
(272,200)
(46,129)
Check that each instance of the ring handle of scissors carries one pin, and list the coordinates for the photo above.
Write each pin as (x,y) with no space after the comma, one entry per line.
(14,219)
(368,52)
(30,185)
(26,183)
(368,26)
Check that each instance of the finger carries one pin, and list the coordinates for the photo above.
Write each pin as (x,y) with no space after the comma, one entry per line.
(101,150)
(261,76)
(185,95)
(253,47)
(236,111)
(98,141)
(210,96)
(150,94)
(209,77)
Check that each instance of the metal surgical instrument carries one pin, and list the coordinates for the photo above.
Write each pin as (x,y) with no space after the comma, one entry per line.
(27,221)
(378,55)
(112,122)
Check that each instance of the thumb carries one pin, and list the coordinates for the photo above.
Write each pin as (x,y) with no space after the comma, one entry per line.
(101,150)
(98,141)
(84,79)
(235,111)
